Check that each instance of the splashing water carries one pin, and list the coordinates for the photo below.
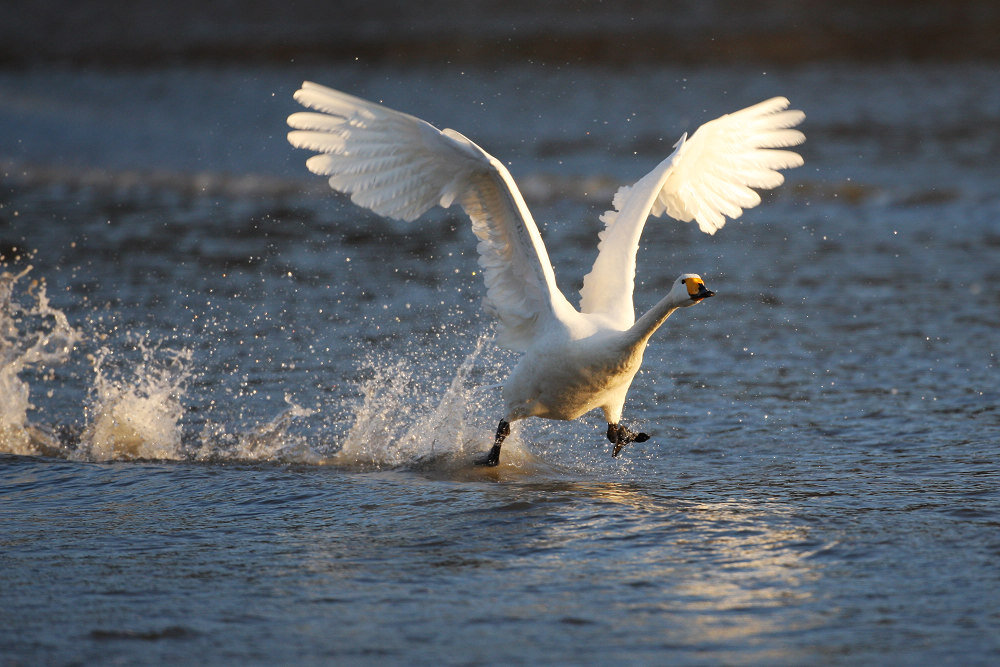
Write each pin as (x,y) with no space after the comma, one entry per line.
(135,407)
(35,336)
(395,427)
(137,414)
(414,411)
(269,442)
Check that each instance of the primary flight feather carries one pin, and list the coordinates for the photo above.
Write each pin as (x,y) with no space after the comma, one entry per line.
(573,360)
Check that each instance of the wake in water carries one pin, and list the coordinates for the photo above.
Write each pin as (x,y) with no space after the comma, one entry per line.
(412,412)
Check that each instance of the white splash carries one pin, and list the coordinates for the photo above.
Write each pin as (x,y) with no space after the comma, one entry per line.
(35,336)
(135,407)
(136,414)
(401,421)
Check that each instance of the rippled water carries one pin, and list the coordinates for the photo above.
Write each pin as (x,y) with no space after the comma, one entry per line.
(254,407)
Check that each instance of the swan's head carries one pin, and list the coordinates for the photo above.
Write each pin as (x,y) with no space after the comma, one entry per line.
(690,289)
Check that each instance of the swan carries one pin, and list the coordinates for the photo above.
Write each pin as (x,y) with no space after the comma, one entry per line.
(573,360)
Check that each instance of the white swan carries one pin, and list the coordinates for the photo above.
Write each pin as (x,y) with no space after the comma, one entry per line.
(574,360)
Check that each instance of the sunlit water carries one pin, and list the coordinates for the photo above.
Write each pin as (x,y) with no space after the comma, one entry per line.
(239,414)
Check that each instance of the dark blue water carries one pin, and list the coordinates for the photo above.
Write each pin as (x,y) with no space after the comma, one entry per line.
(249,439)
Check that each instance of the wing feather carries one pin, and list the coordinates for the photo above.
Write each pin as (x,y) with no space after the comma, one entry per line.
(708,178)
(400,166)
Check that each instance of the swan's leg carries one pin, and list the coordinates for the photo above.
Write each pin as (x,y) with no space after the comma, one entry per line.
(493,457)
(621,436)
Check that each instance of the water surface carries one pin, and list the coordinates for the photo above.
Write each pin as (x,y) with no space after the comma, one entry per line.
(242,412)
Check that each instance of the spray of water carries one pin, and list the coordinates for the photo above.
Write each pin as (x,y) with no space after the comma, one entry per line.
(409,418)
(415,411)
(136,413)
(272,441)
(135,407)
(35,336)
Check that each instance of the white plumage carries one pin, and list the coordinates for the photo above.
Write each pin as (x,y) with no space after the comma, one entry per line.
(574,360)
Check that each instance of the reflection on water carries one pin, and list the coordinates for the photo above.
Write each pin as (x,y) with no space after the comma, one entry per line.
(727,563)
(607,563)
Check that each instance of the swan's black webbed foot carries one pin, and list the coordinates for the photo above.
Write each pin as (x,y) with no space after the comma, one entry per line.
(492,458)
(621,436)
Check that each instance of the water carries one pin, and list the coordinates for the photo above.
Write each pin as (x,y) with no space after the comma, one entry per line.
(239,413)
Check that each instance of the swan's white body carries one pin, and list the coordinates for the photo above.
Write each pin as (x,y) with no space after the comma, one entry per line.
(574,360)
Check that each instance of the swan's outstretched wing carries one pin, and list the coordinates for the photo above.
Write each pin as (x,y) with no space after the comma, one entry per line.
(707,178)
(400,166)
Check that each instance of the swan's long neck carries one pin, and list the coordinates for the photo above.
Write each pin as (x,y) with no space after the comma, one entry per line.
(653,318)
